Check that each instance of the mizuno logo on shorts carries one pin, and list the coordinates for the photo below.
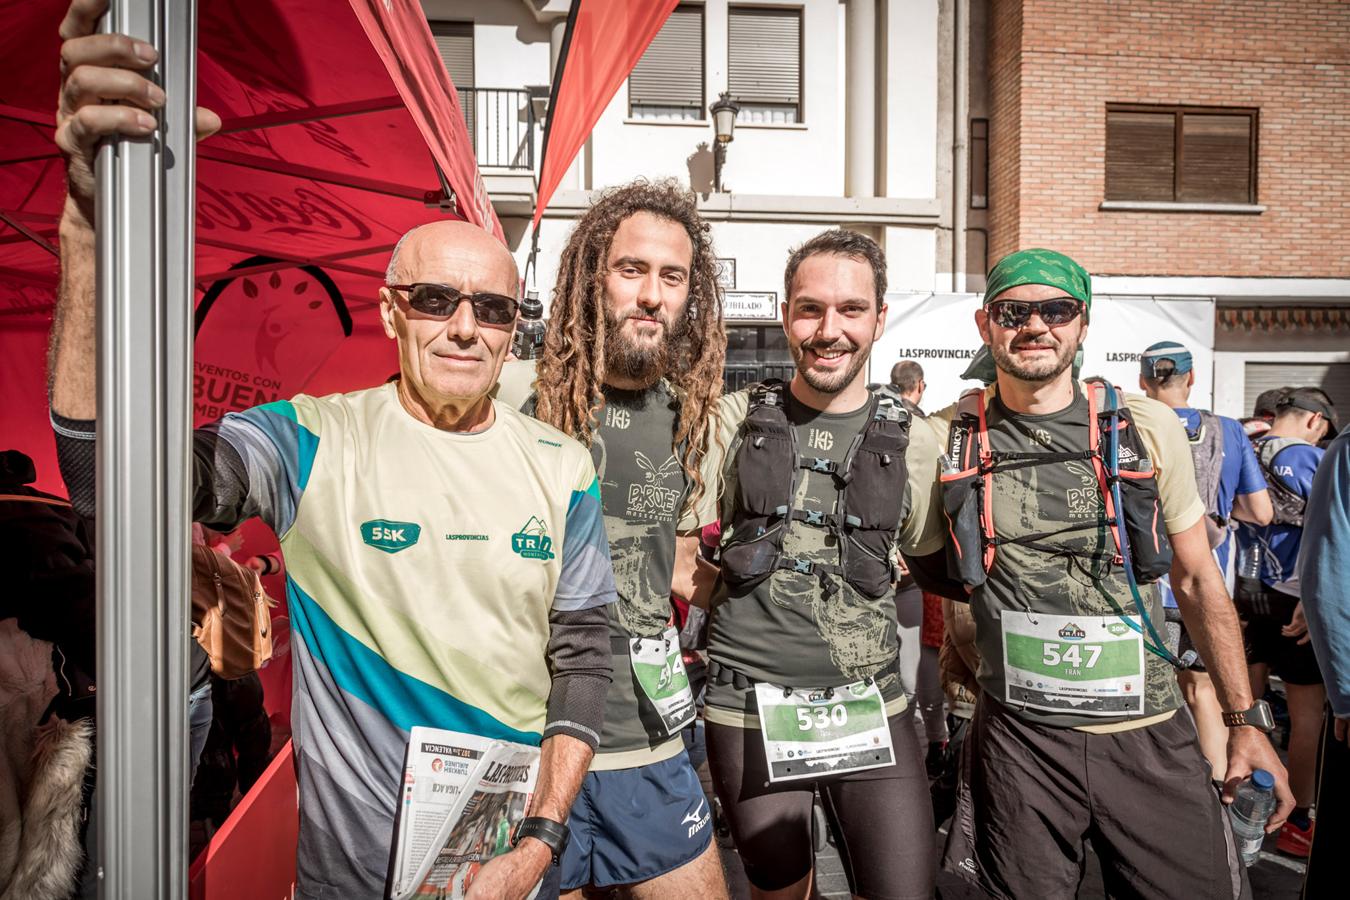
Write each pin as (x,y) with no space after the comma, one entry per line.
(698,817)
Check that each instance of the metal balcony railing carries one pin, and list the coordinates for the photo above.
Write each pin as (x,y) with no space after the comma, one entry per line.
(501,124)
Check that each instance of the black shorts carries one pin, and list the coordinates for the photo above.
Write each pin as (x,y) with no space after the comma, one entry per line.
(1262,621)
(882,819)
(1032,796)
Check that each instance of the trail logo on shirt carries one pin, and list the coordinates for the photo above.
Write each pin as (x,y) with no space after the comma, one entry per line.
(389,536)
(532,541)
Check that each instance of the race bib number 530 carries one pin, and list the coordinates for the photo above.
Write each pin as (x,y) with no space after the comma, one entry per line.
(1083,665)
(812,733)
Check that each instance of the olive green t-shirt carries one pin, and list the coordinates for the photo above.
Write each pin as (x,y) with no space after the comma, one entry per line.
(788,630)
(643,492)
(1078,580)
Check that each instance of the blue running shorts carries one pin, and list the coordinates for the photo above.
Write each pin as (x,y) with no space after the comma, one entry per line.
(631,825)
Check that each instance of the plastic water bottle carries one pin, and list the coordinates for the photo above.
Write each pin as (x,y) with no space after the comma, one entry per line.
(1252,806)
(1249,562)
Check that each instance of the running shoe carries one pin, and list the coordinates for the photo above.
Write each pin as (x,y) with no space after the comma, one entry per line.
(1295,841)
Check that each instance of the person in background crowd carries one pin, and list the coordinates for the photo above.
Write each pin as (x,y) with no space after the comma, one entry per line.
(918,614)
(809,532)
(47,670)
(1231,486)
(386,473)
(1324,561)
(1061,751)
(632,367)
(908,385)
(1269,591)
(1263,412)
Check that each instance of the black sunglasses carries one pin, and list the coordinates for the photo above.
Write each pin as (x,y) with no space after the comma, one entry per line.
(442,301)
(1016,313)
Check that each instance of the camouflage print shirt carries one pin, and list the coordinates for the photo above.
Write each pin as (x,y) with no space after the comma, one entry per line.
(1081,580)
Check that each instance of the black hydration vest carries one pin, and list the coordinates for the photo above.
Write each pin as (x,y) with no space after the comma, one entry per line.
(871,489)
(968,483)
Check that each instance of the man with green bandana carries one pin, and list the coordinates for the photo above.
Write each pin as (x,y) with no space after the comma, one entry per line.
(1080,732)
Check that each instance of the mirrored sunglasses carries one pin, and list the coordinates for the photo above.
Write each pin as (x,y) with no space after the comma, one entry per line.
(1016,313)
(442,301)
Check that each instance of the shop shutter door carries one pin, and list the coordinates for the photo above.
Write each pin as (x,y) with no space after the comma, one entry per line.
(1334,378)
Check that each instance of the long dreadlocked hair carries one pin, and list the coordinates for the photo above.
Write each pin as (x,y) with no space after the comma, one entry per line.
(572,367)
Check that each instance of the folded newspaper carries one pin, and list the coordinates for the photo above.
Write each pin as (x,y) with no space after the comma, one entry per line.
(462,797)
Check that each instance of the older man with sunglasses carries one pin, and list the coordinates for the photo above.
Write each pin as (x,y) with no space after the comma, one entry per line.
(1080,733)
(446,558)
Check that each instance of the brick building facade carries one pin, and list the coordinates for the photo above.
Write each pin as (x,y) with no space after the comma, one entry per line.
(1055,65)
(1080,96)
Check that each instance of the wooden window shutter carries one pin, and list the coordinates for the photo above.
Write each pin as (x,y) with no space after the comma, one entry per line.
(1216,158)
(1140,155)
(454,40)
(764,55)
(670,72)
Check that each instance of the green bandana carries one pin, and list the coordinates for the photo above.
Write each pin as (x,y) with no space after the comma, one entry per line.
(1039,267)
(1034,266)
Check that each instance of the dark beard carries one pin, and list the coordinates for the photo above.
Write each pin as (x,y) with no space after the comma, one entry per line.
(1040,373)
(830,383)
(642,362)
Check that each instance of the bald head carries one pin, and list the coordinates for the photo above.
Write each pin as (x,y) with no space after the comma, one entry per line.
(451,247)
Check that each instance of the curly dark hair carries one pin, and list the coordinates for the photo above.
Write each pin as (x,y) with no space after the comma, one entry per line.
(571,368)
(839,242)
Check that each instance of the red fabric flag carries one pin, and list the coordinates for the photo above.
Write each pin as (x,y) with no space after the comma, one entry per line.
(604,41)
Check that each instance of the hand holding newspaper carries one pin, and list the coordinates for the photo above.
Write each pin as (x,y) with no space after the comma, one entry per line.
(461,798)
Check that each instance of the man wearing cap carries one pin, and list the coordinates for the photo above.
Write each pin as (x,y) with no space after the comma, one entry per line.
(1066,745)
(1232,487)
(1269,591)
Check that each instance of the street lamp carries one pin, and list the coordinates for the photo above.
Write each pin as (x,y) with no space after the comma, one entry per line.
(724,124)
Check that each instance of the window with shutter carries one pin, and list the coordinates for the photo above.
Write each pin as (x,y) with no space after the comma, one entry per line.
(667,82)
(764,63)
(454,40)
(1181,154)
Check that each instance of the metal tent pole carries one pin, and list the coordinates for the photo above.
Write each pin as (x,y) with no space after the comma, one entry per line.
(144,354)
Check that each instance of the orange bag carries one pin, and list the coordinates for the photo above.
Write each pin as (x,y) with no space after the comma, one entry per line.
(230,617)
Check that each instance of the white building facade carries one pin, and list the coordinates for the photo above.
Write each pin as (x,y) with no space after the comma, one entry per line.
(847,120)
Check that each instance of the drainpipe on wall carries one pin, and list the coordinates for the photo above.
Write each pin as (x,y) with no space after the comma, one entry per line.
(860,107)
(960,140)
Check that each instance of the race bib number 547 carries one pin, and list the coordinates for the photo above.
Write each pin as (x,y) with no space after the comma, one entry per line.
(1083,665)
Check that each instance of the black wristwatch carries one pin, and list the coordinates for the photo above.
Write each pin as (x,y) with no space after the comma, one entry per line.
(554,834)
(1258,717)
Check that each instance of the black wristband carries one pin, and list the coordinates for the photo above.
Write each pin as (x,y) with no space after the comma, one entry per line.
(553,834)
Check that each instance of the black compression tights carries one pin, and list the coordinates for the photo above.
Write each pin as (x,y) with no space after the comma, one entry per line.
(881,818)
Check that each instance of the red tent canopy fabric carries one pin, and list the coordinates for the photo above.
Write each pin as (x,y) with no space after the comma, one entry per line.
(341,131)
(603,42)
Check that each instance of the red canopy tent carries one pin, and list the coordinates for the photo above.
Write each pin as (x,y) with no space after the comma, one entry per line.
(341,131)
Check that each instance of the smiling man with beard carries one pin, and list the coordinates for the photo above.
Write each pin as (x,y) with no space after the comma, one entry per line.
(1068,501)
(824,482)
(632,367)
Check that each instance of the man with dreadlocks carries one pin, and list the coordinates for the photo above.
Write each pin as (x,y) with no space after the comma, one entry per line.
(632,366)
(804,690)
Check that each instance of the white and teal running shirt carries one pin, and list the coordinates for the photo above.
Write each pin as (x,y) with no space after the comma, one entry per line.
(424,569)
